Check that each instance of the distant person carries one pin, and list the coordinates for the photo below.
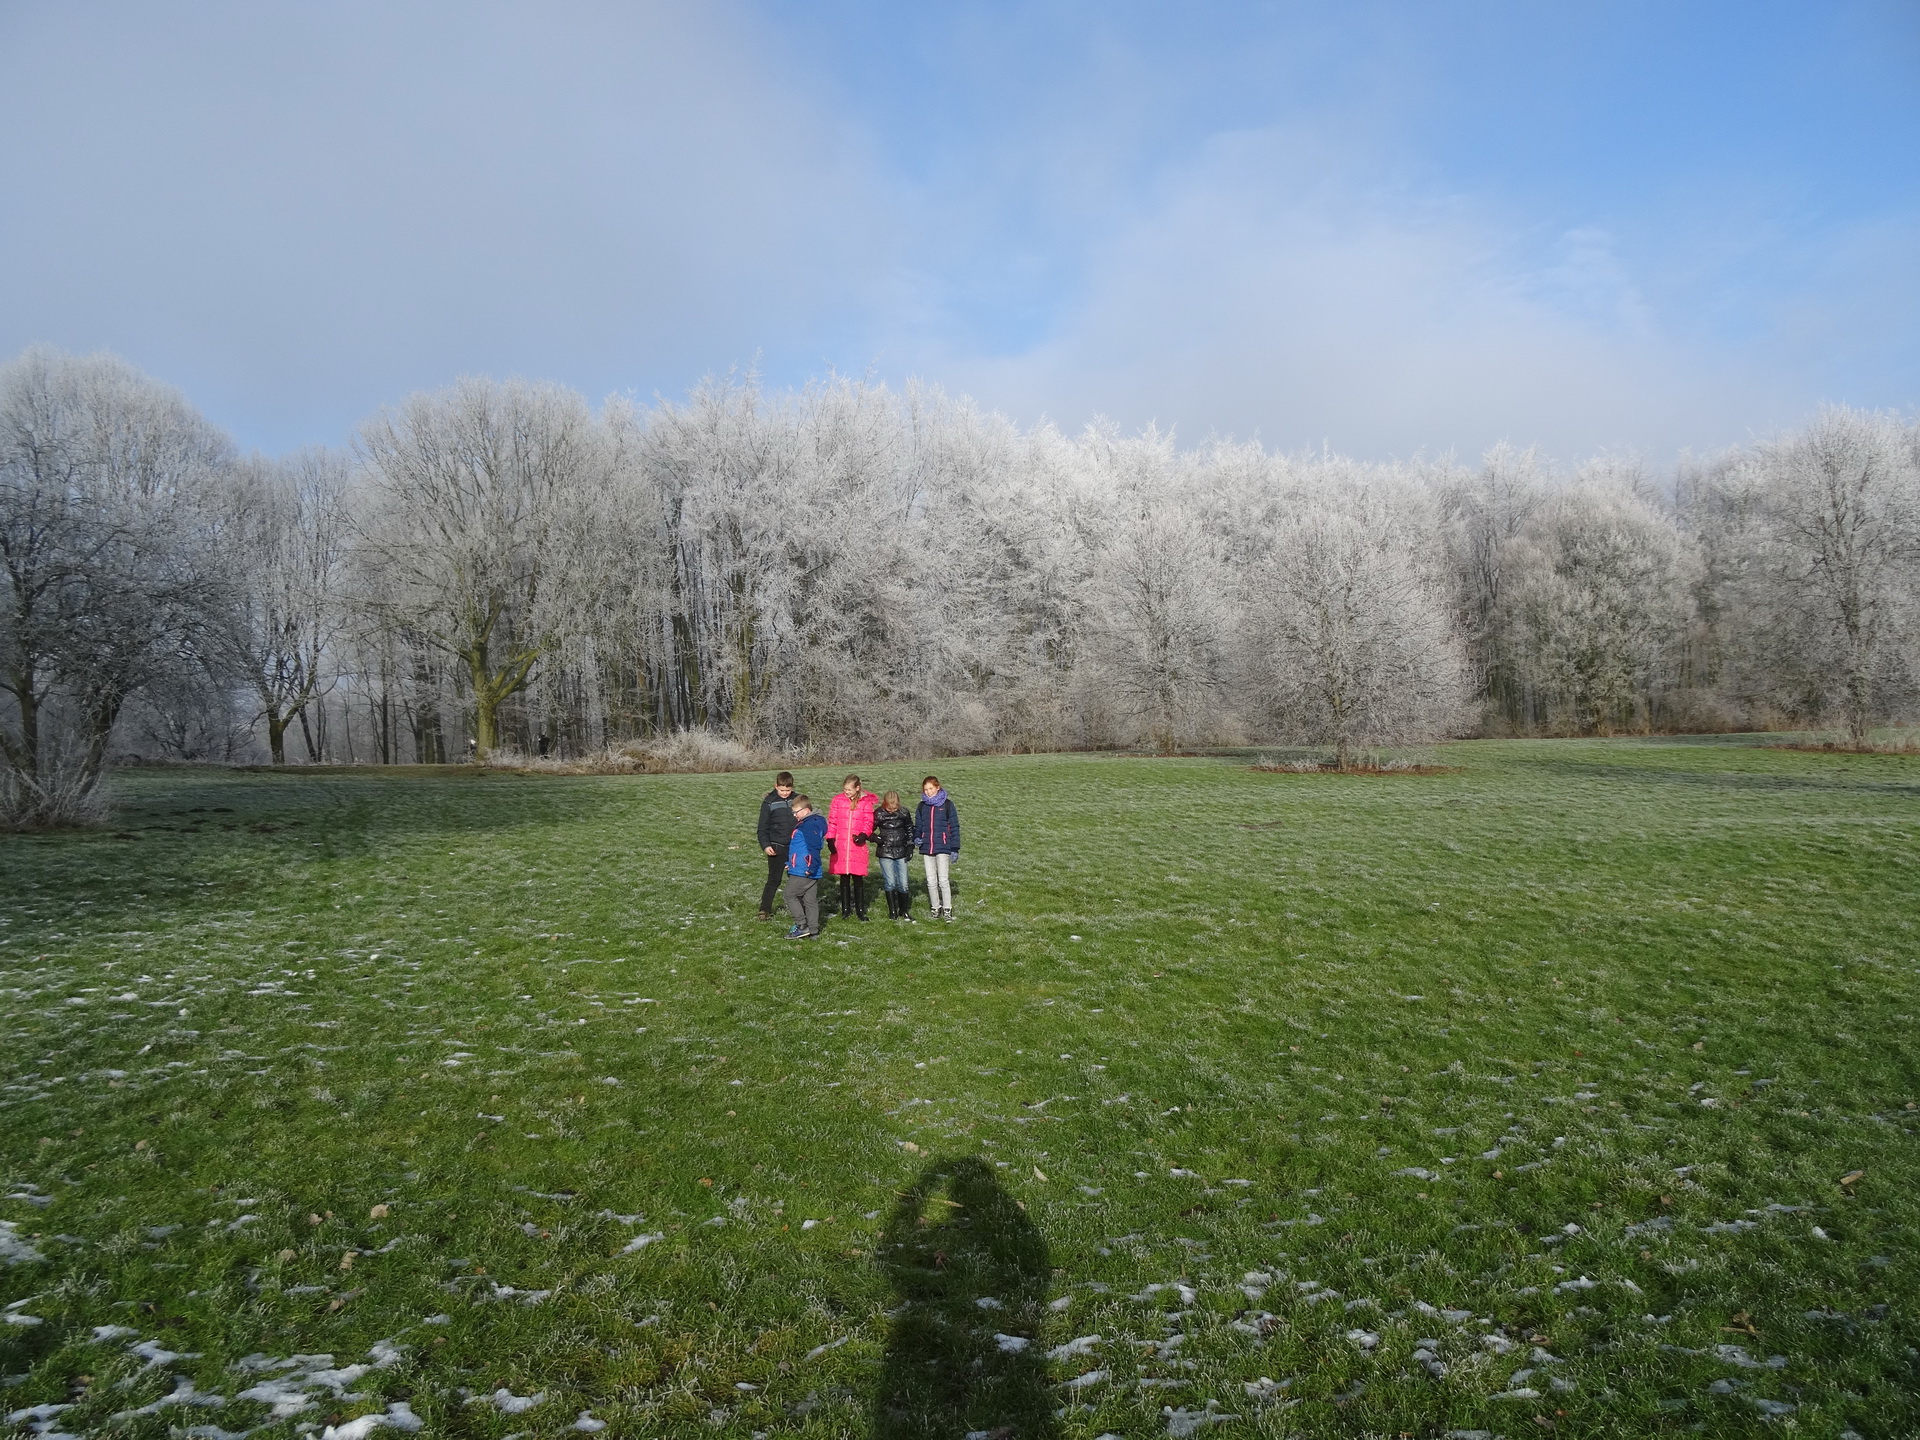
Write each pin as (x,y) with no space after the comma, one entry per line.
(936,833)
(850,833)
(776,829)
(803,869)
(893,838)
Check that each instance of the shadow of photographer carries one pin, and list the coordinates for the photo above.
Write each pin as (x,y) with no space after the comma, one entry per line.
(954,1240)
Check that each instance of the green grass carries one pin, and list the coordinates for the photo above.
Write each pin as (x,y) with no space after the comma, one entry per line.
(1193,1022)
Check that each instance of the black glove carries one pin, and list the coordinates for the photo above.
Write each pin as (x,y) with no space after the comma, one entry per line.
(861,839)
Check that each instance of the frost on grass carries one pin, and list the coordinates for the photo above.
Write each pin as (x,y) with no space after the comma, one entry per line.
(1183,1422)
(397,1416)
(508,1403)
(1498,1247)
(183,1393)
(14,1250)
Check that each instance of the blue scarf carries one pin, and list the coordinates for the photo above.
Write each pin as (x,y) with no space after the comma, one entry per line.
(937,799)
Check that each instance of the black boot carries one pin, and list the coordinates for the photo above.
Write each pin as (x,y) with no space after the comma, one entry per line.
(906,905)
(893,906)
(846,896)
(860,897)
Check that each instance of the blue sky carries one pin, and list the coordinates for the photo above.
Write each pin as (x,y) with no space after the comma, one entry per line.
(1385,227)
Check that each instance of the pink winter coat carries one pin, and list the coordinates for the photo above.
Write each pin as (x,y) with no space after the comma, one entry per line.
(846,818)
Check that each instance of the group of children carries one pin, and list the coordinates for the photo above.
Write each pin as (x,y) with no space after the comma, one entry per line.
(800,844)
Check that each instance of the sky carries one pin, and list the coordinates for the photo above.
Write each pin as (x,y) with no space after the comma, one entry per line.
(1387,227)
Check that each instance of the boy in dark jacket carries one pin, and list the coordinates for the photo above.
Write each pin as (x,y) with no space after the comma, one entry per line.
(893,837)
(805,857)
(776,829)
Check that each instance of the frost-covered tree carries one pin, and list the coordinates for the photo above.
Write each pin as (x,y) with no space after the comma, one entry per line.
(1157,591)
(477,534)
(1827,526)
(1483,514)
(851,570)
(1347,634)
(285,531)
(1596,606)
(107,559)
(1007,531)
(714,478)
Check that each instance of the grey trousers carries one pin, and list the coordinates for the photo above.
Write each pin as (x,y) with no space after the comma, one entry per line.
(803,902)
(939,885)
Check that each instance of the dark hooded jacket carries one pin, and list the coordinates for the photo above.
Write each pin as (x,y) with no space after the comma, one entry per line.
(776,822)
(893,832)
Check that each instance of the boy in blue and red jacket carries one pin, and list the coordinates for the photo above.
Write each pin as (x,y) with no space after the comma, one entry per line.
(804,863)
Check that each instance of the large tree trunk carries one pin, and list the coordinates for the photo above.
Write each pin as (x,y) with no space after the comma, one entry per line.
(277,734)
(101,716)
(1859,704)
(493,688)
(23,754)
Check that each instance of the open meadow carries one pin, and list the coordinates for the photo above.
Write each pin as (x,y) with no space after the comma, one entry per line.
(1572,1089)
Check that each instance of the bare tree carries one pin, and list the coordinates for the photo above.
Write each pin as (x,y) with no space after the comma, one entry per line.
(106,528)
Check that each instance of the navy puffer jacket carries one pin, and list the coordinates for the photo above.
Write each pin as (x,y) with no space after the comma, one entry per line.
(936,828)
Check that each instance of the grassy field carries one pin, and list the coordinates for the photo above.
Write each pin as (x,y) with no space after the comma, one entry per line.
(1511,1099)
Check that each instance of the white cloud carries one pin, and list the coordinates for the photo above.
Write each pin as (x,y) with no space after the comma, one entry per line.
(1267,289)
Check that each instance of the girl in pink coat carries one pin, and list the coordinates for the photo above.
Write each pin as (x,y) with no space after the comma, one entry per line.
(849,831)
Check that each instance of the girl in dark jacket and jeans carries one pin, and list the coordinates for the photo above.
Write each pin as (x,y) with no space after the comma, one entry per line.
(936,833)
(893,837)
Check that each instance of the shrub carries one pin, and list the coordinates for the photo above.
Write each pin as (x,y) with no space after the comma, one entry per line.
(63,798)
(684,752)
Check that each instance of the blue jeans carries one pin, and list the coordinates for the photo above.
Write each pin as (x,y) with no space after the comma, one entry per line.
(893,874)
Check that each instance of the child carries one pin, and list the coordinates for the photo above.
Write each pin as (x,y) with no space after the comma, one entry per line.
(893,836)
(776,829)
(803,869)
(849,828)
(936,831)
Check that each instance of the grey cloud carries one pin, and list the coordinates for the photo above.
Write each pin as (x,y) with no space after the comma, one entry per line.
(296,211)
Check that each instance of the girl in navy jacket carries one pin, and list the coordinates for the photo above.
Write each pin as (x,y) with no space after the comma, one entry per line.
(936,835)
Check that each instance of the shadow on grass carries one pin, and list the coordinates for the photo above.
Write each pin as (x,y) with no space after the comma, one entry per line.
(191,839)
(957,1238)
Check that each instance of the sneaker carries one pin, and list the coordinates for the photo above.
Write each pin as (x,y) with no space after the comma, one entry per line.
(947,915)
(764,915)
(810,935)
(797,932)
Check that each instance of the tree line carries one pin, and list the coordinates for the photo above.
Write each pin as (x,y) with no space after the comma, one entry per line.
(850,570)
